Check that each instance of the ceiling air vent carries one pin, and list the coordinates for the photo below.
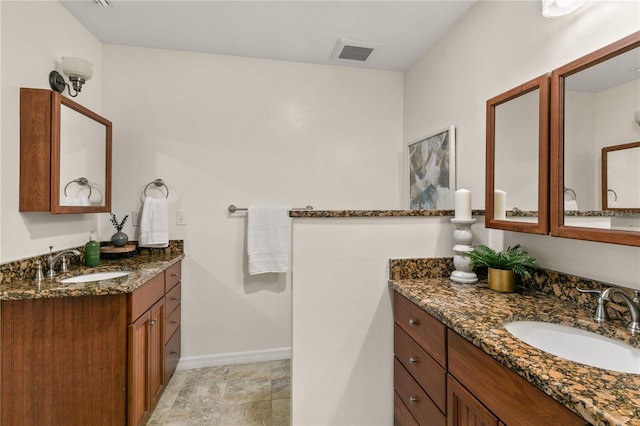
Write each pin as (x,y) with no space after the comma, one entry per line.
(353,50)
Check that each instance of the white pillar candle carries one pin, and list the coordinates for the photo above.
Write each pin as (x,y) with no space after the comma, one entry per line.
(463,204)
(499,205)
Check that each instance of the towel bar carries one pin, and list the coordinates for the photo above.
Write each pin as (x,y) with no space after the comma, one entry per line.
(232,208)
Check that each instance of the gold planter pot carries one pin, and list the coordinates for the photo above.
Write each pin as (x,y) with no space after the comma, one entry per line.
(502,280)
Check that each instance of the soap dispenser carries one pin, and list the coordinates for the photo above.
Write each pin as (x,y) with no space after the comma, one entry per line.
(92,251)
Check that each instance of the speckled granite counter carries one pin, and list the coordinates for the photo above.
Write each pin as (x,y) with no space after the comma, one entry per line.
(377,213)
(144,267)
(602,397)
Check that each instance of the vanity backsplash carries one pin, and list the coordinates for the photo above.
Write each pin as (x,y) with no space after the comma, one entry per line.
(25,268)
(561,285)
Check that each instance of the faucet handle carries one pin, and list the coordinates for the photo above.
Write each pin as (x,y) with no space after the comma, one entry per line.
(63,265)
(39,276)
(601,311)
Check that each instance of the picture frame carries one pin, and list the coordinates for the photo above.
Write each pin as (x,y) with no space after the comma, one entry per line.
(431,171)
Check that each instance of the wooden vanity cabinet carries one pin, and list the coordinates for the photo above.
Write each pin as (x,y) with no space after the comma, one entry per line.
(419,365)
(173,290)
(146,349)
(442,379)
(89,360)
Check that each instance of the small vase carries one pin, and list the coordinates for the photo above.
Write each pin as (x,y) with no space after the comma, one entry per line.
(119,239)
(502,280)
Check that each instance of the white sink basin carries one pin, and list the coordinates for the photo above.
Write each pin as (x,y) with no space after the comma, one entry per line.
(577,345)
(96,276)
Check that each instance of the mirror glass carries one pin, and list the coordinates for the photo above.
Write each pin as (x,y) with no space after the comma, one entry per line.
(595,103)
(599,106)
(621,177)
(82,159)
(517,165)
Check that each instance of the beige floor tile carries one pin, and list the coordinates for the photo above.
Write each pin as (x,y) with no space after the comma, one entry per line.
(246,414)
(253,370)
(248,390)
(281,412)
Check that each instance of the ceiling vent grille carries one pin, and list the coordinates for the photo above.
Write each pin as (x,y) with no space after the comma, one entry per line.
(353,50)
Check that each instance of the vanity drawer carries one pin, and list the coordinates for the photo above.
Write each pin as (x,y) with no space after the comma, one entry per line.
(144,297)
(173,275)
(415,399)
(173,298)
(171,324)
(428,373)
(171,355)
(401,414)
(427,331)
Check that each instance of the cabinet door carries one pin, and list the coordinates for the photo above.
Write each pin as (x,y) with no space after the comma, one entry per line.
(138,398)
(464,409)
(156,351)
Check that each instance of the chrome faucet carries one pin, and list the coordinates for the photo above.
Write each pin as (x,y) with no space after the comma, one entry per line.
(633,304)
(51,260)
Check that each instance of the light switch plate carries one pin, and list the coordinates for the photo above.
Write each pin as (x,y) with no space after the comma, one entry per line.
(181,217)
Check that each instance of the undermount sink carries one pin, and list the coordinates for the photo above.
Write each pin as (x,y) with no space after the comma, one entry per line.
(95,276)
(577,345)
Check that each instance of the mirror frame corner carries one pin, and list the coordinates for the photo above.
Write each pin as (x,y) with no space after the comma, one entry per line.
(542,83)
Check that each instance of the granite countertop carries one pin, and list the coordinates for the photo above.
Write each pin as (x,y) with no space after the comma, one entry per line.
(144,268)
(602,397)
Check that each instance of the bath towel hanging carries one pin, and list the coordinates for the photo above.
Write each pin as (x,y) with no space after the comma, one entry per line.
(268,239)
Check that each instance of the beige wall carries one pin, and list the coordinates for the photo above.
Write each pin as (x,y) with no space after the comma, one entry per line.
(494,47)
(35,35)
(225,130)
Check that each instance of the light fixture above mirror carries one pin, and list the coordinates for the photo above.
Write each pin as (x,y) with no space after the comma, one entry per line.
(557,8)
(77,69)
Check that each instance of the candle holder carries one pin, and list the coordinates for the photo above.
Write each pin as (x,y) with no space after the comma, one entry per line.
(463,237)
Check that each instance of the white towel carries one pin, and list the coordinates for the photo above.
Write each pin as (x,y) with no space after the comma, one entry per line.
(268,239)
(76,201)
(571,205)
(154,223)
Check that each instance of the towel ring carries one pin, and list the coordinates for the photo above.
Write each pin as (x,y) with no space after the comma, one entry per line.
(614,194)
(82,181)
(571,192)
(158,183)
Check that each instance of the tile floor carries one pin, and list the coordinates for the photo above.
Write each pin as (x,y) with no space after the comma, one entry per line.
(230,395)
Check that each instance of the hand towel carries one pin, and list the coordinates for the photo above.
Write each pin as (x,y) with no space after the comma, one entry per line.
(268,239)
(571,205)
(154,223)
(76,201)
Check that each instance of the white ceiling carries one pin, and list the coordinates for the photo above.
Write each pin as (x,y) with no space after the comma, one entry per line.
(302,31)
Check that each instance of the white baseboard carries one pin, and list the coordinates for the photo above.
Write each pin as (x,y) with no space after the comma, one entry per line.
(187,363)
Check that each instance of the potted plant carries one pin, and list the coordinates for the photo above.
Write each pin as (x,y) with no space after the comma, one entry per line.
(119,239)
(503,265)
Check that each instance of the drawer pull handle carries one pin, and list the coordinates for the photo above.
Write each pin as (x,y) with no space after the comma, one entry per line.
(413,360)
(173,353)
(174,322)
(414,322)
(413,400)
(174,275)
(174,298)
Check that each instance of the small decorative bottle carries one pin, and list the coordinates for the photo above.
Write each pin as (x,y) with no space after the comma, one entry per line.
(92,251)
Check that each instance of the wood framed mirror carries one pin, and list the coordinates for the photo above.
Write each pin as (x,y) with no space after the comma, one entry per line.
(594,100)
(517,163)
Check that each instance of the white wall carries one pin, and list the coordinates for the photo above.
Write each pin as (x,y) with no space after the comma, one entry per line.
(34,36)
(342,366)
(494,47)
(225,130)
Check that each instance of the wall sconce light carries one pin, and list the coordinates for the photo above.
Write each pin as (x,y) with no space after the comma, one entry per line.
(77,69)
(556,8)
(636,117)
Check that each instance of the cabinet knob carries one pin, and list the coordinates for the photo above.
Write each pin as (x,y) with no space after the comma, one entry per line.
(413,322)
(413,399)
(152,323)
(413,360)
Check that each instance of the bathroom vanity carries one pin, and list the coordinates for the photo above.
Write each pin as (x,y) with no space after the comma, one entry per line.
(97,352)
(455,363)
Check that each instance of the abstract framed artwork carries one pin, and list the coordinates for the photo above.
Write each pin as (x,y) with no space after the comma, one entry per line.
(431,169)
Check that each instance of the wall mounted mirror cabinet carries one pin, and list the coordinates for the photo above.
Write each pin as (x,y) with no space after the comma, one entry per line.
(517,178)
(594,145)
(65,155)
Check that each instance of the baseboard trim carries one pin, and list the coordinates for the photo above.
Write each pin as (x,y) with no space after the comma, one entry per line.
(187,363)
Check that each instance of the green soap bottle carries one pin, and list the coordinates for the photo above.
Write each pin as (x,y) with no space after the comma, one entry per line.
(92,251)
